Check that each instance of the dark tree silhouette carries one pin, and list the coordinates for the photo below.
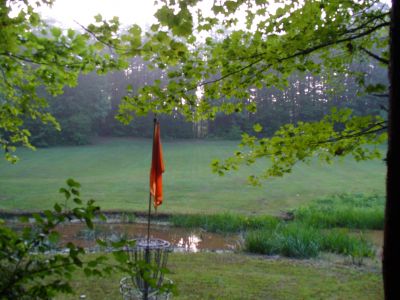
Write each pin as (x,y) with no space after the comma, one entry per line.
(391,251)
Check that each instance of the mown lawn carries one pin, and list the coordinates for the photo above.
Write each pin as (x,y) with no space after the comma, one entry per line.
(239,276)
(115,173)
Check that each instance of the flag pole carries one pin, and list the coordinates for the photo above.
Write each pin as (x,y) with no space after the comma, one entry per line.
(147,251)
(149,212)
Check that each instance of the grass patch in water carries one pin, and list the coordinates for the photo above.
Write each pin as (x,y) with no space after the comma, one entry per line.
(341,242)
(346,210)
(224,223)
(302,241)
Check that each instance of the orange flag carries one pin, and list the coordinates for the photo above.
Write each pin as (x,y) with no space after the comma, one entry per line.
(157,168)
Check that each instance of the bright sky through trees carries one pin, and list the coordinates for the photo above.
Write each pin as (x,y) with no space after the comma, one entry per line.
(131,11)
(68,12)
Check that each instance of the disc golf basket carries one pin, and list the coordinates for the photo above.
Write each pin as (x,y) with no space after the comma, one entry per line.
(149,255)
(154,253)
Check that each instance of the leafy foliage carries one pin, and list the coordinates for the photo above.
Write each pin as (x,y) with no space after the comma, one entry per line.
(322,139)
(29,267)
(277,45)
(200,77)
(36,59)
(217,75)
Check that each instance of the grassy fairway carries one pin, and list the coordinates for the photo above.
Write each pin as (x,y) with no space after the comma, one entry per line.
(115,173)
(238,276)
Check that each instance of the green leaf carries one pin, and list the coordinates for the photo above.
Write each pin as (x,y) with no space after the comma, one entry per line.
(54,237)
(55,31)
(72,183)
(57,208)
(101,243)
(77,200)
(23,219)
(98,18)
(121,256)
(257,127)
(65,192)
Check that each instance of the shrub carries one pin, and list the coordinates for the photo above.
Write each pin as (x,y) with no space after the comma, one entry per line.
(27,271)
(30,269)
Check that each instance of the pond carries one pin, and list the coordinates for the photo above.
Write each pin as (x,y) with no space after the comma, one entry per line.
(182,239)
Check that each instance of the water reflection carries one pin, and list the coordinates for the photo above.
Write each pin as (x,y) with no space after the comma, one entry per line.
(189,244)
(183,240)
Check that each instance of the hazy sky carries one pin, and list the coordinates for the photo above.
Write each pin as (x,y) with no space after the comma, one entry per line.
(129,11)
(140,12)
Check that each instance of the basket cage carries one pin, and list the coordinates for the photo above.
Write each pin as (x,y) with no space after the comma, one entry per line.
(155,253)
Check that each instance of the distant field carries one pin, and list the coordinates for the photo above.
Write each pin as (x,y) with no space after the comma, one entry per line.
(114,172)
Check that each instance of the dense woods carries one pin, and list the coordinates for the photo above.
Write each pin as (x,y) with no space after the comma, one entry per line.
(89,110)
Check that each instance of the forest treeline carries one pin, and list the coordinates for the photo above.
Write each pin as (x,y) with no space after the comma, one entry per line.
(89,110)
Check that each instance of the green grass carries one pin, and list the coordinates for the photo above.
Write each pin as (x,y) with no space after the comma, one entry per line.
(303,241)
(291,240)
(341,242)
(115,173)
(350,211)
(224,223)
(237,276)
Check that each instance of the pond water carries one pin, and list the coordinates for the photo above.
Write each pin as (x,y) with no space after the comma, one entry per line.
(182,239)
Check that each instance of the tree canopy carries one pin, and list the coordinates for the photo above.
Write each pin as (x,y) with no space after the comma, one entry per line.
(210,62)
(214,63)
(38,59)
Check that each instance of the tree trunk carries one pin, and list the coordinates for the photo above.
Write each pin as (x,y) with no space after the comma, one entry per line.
(391,250)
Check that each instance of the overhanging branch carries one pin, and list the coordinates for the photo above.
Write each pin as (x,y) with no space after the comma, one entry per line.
(377,57)
(296,54)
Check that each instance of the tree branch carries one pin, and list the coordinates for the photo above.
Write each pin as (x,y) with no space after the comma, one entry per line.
(377,57)
(226,75)
(109,45)
(36,62)
(380,95)
(5,77)
(348,31)
(93,34)
(365,131)
(298,53)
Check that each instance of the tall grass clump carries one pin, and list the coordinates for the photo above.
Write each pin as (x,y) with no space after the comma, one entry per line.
(224,223)
(302,241)
(341,242)
(350,211)
(287,240)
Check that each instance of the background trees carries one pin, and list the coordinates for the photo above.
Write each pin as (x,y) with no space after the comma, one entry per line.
(89,110)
